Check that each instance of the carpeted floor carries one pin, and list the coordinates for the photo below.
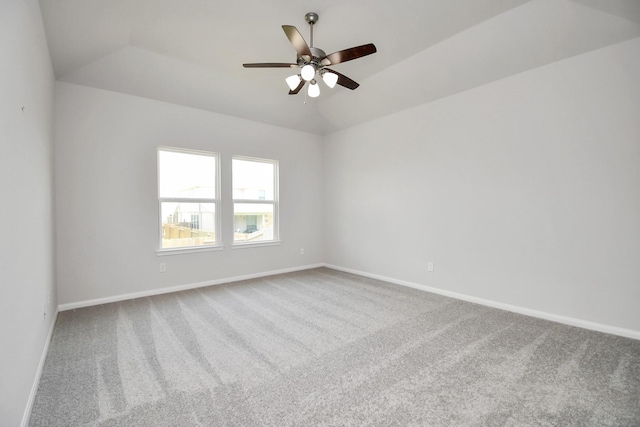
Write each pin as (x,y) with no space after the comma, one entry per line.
(322,347)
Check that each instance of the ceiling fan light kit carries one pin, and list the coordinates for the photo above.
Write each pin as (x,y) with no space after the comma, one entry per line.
(330,79)
(293,81)
(312,61)
(308,72)
(314,89)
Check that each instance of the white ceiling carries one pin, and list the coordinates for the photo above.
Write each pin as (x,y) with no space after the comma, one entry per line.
(190,52)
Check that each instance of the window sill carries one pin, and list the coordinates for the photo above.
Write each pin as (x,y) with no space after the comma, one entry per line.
(180,251)
(255,245)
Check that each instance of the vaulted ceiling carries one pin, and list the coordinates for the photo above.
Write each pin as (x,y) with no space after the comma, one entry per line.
(190,52)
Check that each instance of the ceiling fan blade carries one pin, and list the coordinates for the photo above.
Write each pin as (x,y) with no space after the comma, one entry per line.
(349,54)
(296,90)
(344,80)
(297,40)
(270,65)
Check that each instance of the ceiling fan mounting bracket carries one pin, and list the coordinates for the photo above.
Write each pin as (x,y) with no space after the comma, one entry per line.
(311,18)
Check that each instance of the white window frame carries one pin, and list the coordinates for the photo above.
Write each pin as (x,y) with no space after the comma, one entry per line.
(215,201)
(274,202)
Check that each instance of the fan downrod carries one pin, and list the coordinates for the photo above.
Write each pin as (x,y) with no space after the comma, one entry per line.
(311,19)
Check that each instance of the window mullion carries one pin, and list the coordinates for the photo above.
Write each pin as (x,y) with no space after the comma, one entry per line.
(251,201)
(185,200)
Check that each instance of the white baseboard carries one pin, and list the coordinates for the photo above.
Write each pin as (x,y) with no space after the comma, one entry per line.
(36,381)
(628,333)
(133,295)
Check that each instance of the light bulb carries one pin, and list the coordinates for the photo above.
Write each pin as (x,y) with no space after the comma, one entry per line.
(308,72)
(293,81)
(314,89)
(330,79)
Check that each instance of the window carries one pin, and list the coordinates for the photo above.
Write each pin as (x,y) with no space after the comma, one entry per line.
(188,198)
(255,200)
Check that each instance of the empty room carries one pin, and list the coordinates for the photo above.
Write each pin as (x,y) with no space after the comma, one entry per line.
(301,213)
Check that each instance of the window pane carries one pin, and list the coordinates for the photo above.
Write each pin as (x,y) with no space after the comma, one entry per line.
(253,180)
(252,222)
(185,175)
(188,224)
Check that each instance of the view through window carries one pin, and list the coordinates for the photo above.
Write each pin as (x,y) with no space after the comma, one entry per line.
(188,198)
(255,201)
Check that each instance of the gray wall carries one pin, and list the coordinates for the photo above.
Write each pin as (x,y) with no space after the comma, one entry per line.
(106,181)
(524,192)
(26,239)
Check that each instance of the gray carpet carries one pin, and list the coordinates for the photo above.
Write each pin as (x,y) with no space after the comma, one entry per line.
(322,347)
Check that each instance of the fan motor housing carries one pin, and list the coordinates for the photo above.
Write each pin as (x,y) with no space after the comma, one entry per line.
(317,53)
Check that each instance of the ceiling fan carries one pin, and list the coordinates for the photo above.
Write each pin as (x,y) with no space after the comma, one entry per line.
(313,61)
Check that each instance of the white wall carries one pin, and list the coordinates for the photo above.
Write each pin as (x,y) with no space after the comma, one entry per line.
(26,189)
(106,178)
(524,192)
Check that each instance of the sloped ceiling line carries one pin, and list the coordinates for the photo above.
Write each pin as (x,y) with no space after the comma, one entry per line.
(190,52)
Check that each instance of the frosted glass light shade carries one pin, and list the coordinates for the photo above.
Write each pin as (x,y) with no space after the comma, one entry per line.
(314,90)
(308,72)
(330,79)
(293,81)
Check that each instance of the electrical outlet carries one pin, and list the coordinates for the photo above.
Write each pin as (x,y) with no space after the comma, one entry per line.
(301,251)
(163,267)
(430,267)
